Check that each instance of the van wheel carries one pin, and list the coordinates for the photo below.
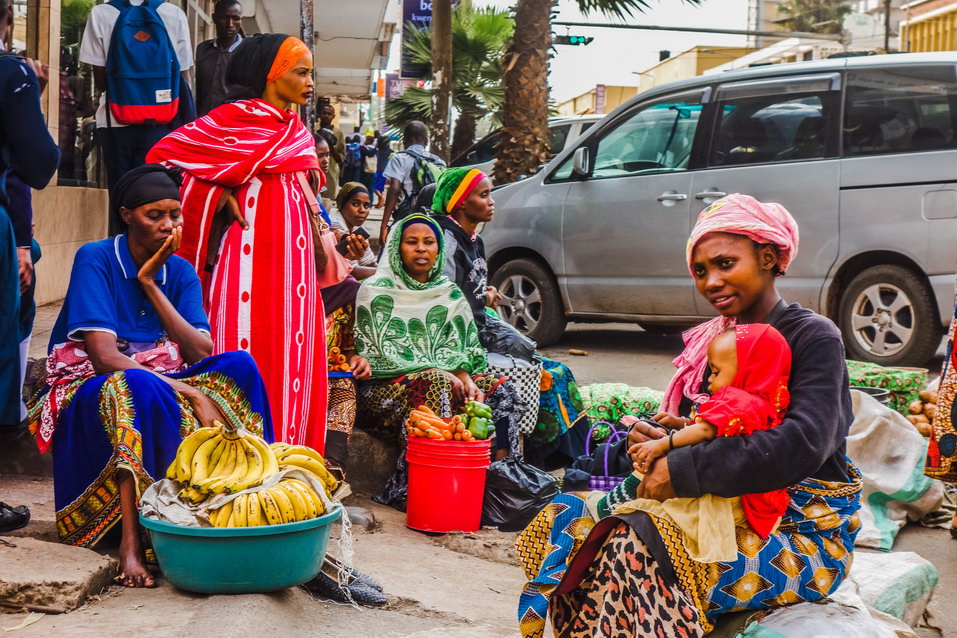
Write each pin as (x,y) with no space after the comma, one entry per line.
(888,316)
(531,301)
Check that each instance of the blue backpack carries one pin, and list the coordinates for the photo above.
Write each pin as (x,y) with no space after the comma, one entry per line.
(142,70)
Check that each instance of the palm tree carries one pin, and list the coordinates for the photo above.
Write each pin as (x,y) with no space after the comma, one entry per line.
(479,37)
(524,145)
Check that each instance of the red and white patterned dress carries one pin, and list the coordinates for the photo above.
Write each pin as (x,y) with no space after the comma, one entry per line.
(262,296)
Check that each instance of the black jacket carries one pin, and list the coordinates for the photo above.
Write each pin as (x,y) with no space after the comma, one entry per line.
(465,265)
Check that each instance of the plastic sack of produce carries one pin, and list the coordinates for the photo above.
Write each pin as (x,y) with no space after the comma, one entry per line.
(849,618)
(890,455)
(611,401)
(500,337)
(904,384)
(899,584)
(514,493)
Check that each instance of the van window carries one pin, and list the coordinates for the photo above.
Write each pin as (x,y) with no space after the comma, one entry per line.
(556,138)
(480,152)
(900,110)
(656,138)
(771,128)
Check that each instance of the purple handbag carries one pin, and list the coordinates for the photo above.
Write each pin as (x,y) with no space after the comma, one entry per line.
(604,482)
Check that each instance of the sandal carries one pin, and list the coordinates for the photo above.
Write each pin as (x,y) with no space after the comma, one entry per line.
(12,518)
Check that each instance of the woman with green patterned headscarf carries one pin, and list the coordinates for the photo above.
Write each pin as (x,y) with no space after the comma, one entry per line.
(415,328)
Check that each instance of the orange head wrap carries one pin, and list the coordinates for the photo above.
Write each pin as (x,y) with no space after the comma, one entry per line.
(291,51)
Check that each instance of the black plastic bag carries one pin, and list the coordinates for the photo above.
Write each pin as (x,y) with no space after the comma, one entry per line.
(514,493)
(503,338)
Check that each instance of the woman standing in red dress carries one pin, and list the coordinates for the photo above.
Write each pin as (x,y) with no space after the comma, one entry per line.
(247,231)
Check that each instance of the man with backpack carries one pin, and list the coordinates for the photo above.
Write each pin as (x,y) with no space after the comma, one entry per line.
(406,173)
(139,103)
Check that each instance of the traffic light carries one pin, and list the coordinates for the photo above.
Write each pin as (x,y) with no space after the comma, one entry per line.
(574,40)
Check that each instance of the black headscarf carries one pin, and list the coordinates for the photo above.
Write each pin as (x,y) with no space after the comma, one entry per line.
(249,65)
(145,184)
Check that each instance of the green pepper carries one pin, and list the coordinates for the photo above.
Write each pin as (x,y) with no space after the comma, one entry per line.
(478,428)
(485,412)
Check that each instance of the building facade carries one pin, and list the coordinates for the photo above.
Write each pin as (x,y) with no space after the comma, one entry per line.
(929,25)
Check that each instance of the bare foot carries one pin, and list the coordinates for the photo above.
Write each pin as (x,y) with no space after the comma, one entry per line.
(133,572)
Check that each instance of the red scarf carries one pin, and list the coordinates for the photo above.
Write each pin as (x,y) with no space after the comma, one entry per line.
(225,149)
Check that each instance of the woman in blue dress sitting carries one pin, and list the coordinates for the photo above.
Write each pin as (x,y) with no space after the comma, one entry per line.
(130,372)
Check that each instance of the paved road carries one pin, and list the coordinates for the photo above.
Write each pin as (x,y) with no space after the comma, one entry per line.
(624,353)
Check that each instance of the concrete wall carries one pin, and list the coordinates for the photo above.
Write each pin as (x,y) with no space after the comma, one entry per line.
(66,217)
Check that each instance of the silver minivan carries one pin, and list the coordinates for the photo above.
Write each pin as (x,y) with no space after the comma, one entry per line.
(862,151)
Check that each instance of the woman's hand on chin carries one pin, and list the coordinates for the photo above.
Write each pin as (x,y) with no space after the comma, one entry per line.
(149,270)
(657,482)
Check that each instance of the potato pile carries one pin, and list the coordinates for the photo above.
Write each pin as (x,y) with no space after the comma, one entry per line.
(922,411)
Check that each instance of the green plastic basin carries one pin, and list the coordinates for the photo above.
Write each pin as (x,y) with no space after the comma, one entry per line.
(241,560)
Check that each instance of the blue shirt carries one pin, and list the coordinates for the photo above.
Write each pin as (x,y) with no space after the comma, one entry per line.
(105,296)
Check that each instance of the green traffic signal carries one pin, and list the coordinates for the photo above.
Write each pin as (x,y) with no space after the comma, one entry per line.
(573,40)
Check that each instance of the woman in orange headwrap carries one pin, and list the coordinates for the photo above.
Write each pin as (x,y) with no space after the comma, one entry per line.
(250,174)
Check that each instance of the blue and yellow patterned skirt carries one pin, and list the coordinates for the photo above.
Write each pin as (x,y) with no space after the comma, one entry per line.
(805,560)
(133,420)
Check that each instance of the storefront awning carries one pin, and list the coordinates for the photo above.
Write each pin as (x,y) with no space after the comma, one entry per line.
(352,38)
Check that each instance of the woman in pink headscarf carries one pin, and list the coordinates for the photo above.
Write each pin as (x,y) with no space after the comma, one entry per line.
(596,567)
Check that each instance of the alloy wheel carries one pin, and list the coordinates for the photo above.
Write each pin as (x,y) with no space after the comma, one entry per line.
(521,305)
(882,319)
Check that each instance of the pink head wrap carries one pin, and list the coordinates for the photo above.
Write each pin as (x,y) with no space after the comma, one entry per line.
(743,215)
(739,215)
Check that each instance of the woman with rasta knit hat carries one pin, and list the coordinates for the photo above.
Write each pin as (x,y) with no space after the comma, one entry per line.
(462,201)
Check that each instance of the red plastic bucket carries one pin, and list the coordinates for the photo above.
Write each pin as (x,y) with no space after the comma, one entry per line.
(446,484)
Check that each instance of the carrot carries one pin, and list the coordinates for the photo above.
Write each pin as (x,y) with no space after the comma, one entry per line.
(432,421)
(426,409)
(434,434)
(467,436)
(457,436)
(447,435)
(418,432)
(334,351)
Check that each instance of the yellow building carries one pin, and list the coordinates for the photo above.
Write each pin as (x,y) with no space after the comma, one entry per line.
(929,25)
(589,101)
(688,64)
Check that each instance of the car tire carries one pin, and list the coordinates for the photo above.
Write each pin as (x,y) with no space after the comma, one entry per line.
(532,302)
(888,316)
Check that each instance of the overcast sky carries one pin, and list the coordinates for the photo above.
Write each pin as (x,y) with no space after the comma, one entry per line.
(615,53)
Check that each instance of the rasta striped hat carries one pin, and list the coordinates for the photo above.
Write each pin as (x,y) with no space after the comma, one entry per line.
(453,187)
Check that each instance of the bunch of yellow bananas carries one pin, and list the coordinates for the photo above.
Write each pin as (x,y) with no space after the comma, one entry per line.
(288,501)
(219,460)
(305,458)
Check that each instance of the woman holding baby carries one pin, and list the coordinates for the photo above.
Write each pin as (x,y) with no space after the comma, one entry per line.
(765,451)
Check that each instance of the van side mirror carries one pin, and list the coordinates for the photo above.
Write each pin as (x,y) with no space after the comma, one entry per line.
(580,162)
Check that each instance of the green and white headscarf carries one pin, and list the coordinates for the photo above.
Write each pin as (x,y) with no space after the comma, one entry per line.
(403,325)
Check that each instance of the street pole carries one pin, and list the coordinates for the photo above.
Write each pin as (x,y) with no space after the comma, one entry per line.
(441,76)
(306,31)
(887,26)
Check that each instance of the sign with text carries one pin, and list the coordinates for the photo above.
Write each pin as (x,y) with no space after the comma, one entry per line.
(600,99)
(393,86)
(416,13)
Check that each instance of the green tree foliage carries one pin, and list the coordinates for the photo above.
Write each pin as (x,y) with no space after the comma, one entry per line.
(479,37)
(813,16)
